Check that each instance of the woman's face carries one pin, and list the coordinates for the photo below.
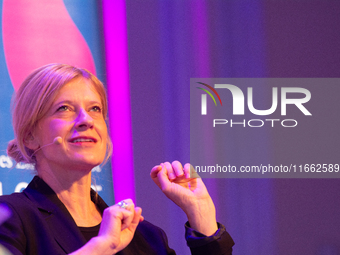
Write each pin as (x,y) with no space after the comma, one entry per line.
(75,116)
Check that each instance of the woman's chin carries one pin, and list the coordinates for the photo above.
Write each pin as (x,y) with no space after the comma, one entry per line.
(85,163)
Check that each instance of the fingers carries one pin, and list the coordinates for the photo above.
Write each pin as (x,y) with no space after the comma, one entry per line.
(182,175)
(189,174)
(127,211)
(119,224)
(177,169)
(137,218)
(186,170)
(169,170)
(155,170)
(154,174)
(173,172)
(165,172)
(120,216)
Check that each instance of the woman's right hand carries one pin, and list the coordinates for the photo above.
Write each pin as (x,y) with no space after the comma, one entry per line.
(116,231)
(119,224)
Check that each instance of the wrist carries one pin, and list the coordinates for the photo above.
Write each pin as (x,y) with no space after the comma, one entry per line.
(202,217)
(205,227)
(102,245)
(96,246)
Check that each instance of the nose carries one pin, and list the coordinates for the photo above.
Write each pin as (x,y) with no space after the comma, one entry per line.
(84,120)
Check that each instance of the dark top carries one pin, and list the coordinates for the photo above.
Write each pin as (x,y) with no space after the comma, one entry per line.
(89,232)
(40,224)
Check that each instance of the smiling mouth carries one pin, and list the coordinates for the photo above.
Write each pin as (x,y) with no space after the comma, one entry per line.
(83,140)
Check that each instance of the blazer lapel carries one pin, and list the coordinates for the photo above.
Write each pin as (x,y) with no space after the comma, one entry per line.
(57,217)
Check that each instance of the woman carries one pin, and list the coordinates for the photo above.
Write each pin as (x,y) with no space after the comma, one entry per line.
(59,125)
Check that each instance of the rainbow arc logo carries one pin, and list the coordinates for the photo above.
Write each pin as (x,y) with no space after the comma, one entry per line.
(204,97)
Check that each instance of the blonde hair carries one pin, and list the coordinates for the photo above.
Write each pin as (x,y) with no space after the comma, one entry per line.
(34,98)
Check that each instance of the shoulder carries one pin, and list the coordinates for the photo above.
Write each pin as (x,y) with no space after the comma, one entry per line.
(13,198)
(30,199)
(39,224)
(17,202)
(12,231)
(24,211)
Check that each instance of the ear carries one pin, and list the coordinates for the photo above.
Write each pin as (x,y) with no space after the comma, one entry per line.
(30,142)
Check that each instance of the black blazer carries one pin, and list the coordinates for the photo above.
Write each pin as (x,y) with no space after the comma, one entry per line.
(40,224)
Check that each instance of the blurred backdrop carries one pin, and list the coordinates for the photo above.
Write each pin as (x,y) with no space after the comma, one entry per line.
(145,52)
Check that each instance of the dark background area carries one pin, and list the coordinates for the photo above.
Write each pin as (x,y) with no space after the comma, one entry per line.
(173,41)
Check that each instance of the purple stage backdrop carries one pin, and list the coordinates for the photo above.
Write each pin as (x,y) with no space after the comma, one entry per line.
(173,41)
(147,52)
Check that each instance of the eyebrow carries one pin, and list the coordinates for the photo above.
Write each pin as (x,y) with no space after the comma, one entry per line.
(72,102)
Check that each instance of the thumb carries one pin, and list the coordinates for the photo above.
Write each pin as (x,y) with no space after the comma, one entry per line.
(163,178)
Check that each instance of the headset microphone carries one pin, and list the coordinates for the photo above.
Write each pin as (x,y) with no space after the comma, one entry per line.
(58,140)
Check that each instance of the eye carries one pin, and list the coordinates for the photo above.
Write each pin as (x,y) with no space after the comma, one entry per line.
(96,108)
(63,108)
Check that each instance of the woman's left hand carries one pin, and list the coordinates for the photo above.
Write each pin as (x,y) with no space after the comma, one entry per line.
(190,194)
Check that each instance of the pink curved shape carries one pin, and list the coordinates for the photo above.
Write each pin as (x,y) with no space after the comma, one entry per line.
(40,32)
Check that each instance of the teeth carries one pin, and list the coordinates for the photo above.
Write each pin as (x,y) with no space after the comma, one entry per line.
(79,140)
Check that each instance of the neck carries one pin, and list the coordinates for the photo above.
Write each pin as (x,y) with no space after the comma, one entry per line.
(73,188)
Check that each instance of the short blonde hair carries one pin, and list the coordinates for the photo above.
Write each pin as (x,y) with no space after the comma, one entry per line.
(34,98)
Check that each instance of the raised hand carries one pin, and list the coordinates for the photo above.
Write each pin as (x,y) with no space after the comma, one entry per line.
(190,194)
(116,231)
(119,224)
